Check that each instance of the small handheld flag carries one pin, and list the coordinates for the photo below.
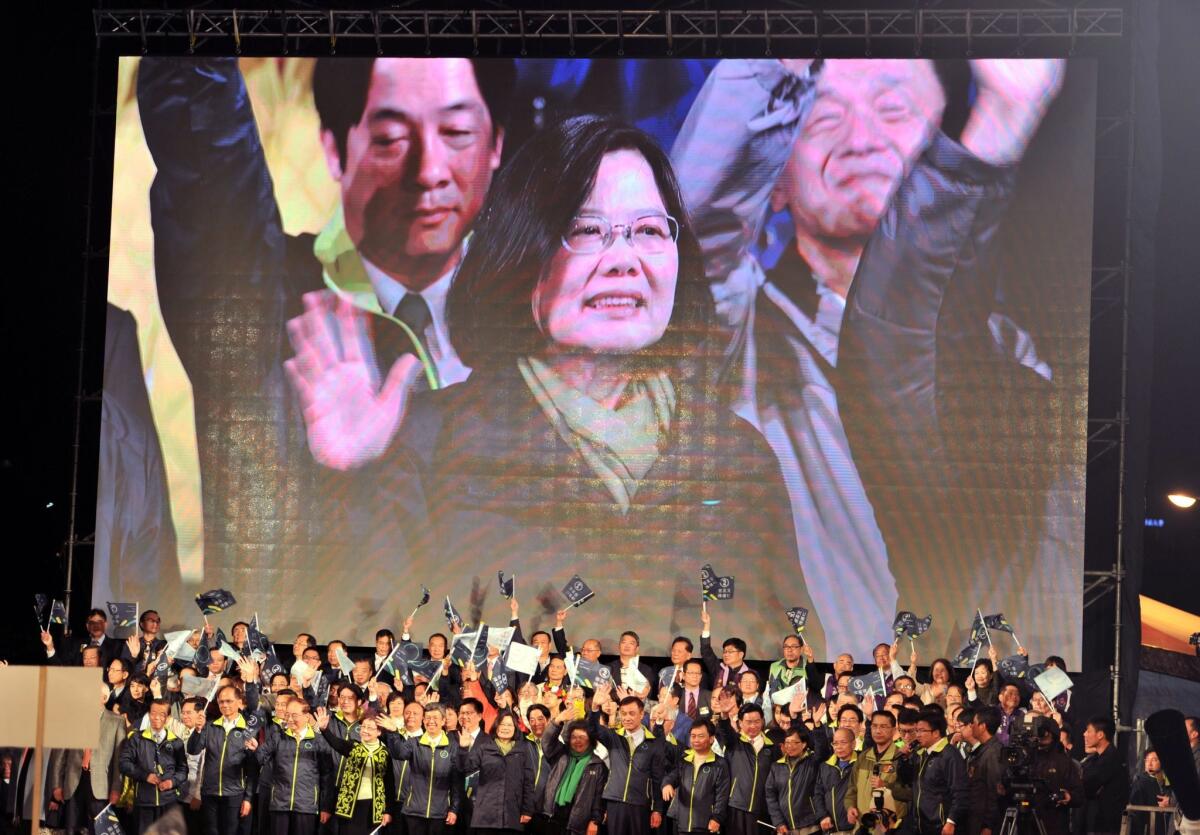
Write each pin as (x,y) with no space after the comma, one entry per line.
(508,588)
(1014,667)
(577,591)
(966,657)
(124,615)
(40,602)
(453,618)
(798,616)
(714,586)
(107,822)
(58,612)
(215,600)
(424,599)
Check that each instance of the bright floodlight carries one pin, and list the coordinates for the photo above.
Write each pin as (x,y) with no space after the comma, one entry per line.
(1182,500)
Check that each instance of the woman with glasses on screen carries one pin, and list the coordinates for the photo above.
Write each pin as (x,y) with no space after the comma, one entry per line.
(588,428)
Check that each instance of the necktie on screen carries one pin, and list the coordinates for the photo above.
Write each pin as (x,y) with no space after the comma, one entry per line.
(413,311)
(691,705)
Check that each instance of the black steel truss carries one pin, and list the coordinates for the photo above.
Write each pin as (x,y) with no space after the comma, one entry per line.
(795,28)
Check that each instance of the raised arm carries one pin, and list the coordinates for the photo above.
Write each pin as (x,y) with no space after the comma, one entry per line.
(730,151)
(219,245)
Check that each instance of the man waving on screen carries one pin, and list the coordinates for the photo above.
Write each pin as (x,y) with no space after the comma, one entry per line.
(843,354)
(413,145)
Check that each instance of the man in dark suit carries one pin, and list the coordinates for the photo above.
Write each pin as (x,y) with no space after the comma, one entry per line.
(628,670)
(413,144)
(72,651)
(1105,779)
(696,698)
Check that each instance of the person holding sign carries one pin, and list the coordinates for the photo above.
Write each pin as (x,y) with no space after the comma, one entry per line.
(628,670)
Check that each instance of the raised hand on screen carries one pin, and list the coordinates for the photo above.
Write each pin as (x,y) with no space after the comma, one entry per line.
(1013,96)
(349,415)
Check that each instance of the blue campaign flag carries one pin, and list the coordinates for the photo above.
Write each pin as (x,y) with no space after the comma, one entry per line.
(714,586)
(107,823)
(215,600)
(577,591)
(453,618)
(124,615)
(798,616)
(508,587)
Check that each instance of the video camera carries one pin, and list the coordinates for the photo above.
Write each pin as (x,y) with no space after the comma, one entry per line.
(877,819)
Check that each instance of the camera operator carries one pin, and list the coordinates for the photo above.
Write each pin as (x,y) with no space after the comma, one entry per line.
(985,769)
(1058,786)
(874,790)
(938,775)
(1105,780)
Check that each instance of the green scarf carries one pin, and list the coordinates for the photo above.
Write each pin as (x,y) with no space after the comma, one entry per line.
(570,779)
(620,445)
(345,275)
(505,745)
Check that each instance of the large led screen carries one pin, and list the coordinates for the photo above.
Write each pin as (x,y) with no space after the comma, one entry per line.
(383,323)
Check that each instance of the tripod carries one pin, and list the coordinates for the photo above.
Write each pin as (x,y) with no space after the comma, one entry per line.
(1022,819)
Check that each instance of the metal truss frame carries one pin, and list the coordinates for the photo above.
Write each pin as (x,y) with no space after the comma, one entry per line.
(794,27)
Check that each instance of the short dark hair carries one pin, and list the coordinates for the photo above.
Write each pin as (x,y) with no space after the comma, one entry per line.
(967,714)
(341,85)
(1056,661)
(908,716)
(1104,725)
(471,702)
(237,624)
(88,649)
(1005,685)
(162,702)
(883,714)
(632,700)
(902,678)
(799,731)
(445,640)
(540,632)
(394,696)
(737,643)
(749,708)
(705,723)
(533,199)
(630,633)
(989,717)
(680,639)
(385,633)
(934,720)
(310,641)
(93,612)
(855,709)
(352,689)
(196,702)
(692,661)
(580,725)
(143,615)
(538,707)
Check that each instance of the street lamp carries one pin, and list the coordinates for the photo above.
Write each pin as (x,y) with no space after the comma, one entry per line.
(1183,501)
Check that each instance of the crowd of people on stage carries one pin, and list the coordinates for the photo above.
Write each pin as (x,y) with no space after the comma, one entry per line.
(699,745)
